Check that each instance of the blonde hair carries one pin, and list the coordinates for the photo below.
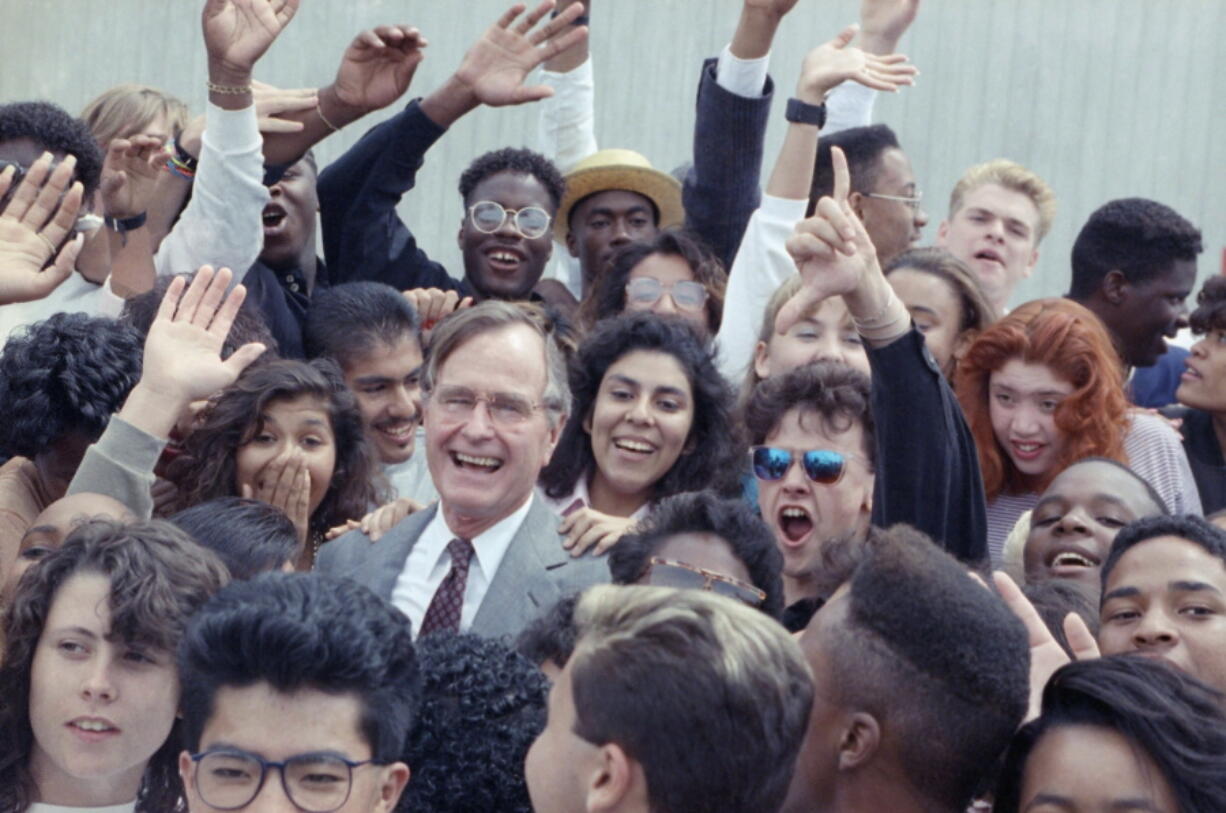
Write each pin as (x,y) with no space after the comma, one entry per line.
(1012,176)
(677,679)
(753,647)
(126,110)
(782,294)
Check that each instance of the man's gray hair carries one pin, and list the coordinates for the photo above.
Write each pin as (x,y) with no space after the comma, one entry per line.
(486,317)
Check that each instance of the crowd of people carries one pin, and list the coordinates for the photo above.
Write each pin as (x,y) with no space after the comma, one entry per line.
(681,495)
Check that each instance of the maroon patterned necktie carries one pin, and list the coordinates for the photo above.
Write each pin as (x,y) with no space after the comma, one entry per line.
(443,614)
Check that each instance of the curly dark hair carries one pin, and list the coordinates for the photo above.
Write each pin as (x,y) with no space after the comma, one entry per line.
(304,630)
(249,325)
(1136,236)
(710,456)
(159,577)
(515,160)
(702,512)
(483,705)
(1170,716)
(552,636)
(608,297)
(208,468)
(836,392)
(67,373)
(1210,313)
(52,128)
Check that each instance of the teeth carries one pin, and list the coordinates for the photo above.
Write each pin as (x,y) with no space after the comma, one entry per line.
(486,462)
(796,512)
(1071,558)
(1026,447)
(633,446)
(398,432)
(92,725)
(502,256)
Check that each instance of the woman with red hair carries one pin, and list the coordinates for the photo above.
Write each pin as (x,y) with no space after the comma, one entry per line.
(1043,388)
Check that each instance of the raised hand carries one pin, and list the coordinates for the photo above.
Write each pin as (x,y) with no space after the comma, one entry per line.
(271,103)
(884,22)
(183,351)
(238,32)
(130,174)
(830,64)
(495,67)
(1046,654)
(33,225)
(378,66)
(832,250)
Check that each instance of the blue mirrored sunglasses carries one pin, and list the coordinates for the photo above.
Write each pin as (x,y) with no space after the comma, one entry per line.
(820,465)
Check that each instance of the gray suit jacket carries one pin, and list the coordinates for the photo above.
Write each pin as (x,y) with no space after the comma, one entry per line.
(535,572)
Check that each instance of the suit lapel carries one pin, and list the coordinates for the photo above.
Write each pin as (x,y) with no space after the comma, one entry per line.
(392,551)
(521,587)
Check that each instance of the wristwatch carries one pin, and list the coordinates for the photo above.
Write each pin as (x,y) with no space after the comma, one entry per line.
(799,112)
(125,224)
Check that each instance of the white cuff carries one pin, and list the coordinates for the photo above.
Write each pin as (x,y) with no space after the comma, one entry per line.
(744,77)
(232,131)
(849,105)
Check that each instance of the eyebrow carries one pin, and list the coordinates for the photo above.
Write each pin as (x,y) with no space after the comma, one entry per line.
(1097,498)
(1056,393)
(924,309)
(82,631)
(222,745)
(625,379)
(39,529)
(1193,587)
(1121,592)
(372,379)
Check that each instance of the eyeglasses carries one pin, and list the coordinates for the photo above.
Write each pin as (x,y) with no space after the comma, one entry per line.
(671,573)
(488,217)
(646,291)
(821,465)
(912,201)
(229,779)
(84,222)
(505,408)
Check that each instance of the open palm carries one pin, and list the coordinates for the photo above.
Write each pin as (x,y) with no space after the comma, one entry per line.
(378,66)
(238,32)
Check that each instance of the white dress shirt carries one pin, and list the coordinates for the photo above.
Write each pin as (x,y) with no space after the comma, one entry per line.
(428,563)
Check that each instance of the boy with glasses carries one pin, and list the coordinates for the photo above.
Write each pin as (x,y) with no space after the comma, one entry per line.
(510,195)
(298,691)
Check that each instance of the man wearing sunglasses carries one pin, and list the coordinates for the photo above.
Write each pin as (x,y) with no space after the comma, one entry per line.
(510,196)
(297,693)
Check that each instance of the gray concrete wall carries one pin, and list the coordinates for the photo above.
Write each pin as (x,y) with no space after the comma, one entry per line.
(1104,98)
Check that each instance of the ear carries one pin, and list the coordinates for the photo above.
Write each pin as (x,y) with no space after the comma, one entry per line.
(1034,260)
(860,742)
(616,782)
(1114,287)
(572,243)
(551,440)
(391,784)
(459,235)
(856,201)
(942,233)
(187,769)
(761,361)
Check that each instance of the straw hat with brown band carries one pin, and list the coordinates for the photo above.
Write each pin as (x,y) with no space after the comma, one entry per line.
(619,169)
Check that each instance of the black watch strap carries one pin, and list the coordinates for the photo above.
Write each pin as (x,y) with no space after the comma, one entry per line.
(799,112)
(125,224)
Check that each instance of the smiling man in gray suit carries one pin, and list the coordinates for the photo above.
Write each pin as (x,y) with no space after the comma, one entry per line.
(488,558)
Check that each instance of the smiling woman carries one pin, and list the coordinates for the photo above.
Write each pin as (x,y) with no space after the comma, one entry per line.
(651,418)
(1043,388)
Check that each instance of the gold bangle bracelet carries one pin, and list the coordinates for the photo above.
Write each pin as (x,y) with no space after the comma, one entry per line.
(319,108)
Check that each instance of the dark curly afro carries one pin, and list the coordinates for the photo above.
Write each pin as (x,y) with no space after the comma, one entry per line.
(70,372)
(52,128)
(482,707)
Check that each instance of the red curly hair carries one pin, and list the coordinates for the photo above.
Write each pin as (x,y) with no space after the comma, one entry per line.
(1073,344)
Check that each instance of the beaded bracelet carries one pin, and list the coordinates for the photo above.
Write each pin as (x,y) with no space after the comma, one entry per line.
(228,90)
